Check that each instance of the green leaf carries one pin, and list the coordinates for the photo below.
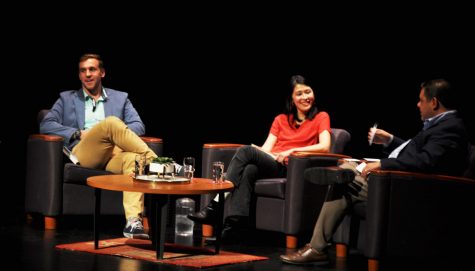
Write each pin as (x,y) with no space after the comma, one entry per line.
(163,160)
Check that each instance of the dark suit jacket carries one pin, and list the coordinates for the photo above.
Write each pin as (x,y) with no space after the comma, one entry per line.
(443,148)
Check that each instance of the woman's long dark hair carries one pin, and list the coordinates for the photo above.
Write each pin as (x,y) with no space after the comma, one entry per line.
(290,108)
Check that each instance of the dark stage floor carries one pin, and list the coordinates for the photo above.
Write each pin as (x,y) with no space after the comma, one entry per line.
(29,247)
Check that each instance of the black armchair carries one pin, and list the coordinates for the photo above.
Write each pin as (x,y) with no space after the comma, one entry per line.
(53,187)
(412,215)
(288,205)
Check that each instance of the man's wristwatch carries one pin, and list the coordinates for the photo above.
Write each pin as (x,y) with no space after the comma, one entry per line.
(76,135)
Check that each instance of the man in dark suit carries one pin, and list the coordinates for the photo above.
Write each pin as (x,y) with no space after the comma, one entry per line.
(441,147)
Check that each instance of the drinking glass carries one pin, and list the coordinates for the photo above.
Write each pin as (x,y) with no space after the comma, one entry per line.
(188,167)
(218,172)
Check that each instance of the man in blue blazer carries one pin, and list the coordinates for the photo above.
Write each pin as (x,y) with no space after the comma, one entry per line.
(102,129)
(441,147)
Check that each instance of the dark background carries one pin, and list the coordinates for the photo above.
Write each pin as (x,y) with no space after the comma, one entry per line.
(219,79)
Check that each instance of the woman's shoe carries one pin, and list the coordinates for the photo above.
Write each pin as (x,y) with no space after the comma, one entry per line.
(207,215)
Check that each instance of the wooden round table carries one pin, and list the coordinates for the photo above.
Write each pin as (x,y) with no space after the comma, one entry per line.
(159,191)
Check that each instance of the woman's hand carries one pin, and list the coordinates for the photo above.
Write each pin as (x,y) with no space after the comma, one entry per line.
(281,156)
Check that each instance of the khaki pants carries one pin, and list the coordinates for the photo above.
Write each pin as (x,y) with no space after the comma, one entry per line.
(110,144)
(338,199)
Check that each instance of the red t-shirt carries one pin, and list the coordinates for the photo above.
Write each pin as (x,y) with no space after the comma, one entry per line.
(307,134)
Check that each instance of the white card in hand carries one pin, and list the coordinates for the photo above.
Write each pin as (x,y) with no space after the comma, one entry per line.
(352,160)
(70,155)
(372,159)
(360,167)
(373,132)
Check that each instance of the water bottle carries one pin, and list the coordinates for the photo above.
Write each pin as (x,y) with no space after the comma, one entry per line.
(183,225)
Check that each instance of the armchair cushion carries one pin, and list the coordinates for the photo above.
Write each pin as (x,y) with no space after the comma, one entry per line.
(274,188)
(76,174)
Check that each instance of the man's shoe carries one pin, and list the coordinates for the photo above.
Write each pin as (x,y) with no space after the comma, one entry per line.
(328,175)
(305,255)
(207,215)
(134,229)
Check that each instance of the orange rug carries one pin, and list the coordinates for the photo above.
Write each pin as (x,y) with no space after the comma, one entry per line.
(197,257)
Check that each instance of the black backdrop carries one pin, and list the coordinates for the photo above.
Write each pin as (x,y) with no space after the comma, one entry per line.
(194,85)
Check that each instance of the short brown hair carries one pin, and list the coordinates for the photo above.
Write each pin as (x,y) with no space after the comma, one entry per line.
(95,56)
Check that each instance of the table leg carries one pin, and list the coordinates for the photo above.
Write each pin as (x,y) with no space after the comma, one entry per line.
(160,203)
(152,213)
(97,214)
(219,222)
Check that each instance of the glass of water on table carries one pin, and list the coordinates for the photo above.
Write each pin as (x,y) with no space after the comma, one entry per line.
(188,167)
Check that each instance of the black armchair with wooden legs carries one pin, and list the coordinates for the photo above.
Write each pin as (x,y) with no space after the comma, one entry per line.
(288,205)
(412,215)
(55,188)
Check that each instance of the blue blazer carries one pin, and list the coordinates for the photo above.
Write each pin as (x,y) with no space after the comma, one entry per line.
(68,113)
(442,148)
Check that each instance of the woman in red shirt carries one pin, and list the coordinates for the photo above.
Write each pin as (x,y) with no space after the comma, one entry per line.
(300,128)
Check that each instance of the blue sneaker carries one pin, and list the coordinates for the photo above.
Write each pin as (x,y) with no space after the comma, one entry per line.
(134,229)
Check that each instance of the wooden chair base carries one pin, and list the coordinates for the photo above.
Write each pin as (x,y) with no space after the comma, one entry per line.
(291,241)
(207,230)
(146,226)
(373,265)
(341,251)
(50,223)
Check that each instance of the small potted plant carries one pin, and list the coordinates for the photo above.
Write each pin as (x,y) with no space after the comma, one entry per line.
(163,166)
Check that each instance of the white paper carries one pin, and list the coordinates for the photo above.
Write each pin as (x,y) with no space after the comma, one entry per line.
(352,160)
(70,155)
(372,159)
(360,167)
(373,132)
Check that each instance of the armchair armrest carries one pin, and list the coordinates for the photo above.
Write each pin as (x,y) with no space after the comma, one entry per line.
(298,192)
(217,152)
(44,167)
(223,152)
(148,139)
(154,143)
(221,145)
(423,176)
(330,156)
(50,138)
